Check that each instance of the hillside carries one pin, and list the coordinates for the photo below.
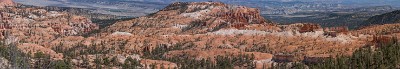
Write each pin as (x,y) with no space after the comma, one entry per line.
(6,3)
(30,21)
(352,17)
(192,17)
(218,30)
(185,35)
(387,18)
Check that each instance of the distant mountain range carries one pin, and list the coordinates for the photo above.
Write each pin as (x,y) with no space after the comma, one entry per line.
(143,7)
(351,18)
(387,18)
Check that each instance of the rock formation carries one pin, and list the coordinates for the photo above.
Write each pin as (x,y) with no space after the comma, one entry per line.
(385,33)
(4,3)
(30,27)
(209,29)
(198,30)
(4,63)
(24,22)
(192,17)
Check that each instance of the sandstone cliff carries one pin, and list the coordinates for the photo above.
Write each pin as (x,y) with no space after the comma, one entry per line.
(33,26)
(25,22)
(194,18)
(209,29)
(198,30)
(4,3)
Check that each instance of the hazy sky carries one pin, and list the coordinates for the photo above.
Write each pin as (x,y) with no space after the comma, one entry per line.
(363,2)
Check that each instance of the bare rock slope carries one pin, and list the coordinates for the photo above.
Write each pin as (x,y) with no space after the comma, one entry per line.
(31,27)
(6,3)
(198,30)
(193,17)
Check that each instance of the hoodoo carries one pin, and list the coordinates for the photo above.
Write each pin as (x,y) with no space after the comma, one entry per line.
(194,17)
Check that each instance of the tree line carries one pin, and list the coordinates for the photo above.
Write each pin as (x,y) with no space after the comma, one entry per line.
(386,56)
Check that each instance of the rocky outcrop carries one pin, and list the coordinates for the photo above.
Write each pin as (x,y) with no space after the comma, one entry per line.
(335,31)
(192,17)
(4,63)
(198,30)
(24,22)
(381,40)
(385,29)
(4,3)
(230,13)
(205,30)
(380,34)
(302,27)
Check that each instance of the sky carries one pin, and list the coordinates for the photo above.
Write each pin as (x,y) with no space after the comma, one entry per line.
(361,2)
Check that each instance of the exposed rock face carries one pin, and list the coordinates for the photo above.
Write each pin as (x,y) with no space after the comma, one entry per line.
(302,27)
(4,63)
(198,30)
(31,27)
(383,39)
(385,29)
(230,13)
(335,31)
(209,29)
(4,3)
(192,17)
(380,33)
(24,22)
